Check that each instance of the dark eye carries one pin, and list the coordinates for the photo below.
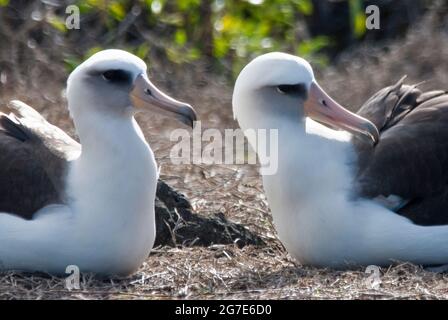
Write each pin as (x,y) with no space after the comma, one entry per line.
(116,76)
(292,89)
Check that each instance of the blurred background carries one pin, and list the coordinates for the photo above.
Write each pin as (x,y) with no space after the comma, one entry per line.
(219,36)
(196,48)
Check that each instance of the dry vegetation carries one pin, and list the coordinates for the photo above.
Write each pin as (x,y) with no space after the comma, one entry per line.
(264,272)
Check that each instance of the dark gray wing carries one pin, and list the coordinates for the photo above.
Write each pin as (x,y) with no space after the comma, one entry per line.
(411,157)
(33,159)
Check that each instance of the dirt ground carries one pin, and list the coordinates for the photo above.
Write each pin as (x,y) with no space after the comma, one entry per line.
(252,272)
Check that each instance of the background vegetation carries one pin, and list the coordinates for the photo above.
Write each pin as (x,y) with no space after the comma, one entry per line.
(223,33)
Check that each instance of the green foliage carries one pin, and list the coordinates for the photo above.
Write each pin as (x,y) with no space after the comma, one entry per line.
(57,22)
(358,17)
(71,62)
(310,49)
(244,29)
(116,10)
(228,32)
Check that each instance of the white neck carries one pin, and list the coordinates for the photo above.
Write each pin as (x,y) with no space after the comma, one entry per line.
(113,184)
(115,160)
(318,218)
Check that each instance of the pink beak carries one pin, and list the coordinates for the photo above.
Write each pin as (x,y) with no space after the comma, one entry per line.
(321,107)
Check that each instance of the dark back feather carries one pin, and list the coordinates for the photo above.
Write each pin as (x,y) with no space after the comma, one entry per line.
(33,159)
(411,157)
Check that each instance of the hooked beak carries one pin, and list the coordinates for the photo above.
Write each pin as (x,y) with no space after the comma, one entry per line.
(321,107)
(146,96)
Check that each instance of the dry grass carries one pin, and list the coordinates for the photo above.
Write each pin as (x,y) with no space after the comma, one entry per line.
(251,272)
(231,273)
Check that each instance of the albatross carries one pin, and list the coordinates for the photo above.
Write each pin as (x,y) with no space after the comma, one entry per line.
(351,189)
(89,204)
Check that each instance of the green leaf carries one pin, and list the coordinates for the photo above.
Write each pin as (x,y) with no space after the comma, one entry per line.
(142,51)
(117,10)
(193,54)
(180,37)
(57,23)
(99,4)
(71,63)
(221,47)
(305,7)
(309,47)
(186,5)
(4,3)
(360,25)
(174,55)
(92,51)
(358,18)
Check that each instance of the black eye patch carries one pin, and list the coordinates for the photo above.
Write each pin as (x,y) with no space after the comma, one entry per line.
(117,76)
(298,89)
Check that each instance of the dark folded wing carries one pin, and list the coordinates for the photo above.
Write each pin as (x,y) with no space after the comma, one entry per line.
(33,159)
(411,158)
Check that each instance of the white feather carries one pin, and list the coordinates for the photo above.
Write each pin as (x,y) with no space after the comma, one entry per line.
(316,213)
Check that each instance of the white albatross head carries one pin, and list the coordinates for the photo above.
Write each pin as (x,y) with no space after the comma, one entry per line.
(282,86)
(114,83)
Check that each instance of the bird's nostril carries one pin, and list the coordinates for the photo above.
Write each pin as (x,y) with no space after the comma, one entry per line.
(148,92)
